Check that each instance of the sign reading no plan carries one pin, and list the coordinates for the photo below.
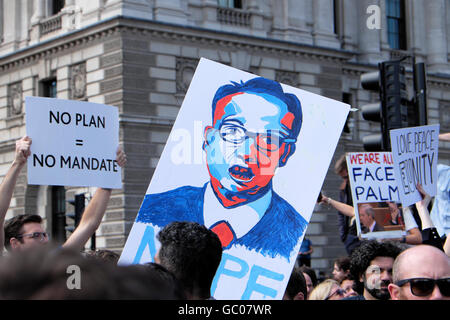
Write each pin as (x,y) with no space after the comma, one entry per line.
(74,143)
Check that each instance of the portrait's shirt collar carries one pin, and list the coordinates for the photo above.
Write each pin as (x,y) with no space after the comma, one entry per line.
(242,219)
(372,226)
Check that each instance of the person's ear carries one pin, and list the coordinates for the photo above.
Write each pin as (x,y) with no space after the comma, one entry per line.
(14,243)
(288,151)
(207,136)
(394,291)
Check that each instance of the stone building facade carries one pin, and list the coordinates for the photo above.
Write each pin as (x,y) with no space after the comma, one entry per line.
(140,55)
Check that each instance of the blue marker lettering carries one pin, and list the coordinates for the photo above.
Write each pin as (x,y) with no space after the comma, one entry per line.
(253,286)
(222,271)
(148,239)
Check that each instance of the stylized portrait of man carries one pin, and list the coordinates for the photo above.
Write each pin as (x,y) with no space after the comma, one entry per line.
(253,132)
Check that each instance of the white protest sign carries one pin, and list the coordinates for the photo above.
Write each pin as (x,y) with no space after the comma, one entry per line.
(74,143)
(249,153)
(373,184)
(415,153)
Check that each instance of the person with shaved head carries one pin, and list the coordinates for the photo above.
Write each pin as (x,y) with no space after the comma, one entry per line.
(421,273)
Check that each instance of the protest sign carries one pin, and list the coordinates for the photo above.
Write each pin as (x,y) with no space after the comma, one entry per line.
(74,143)
(246,157)
(415,153)
(375,195)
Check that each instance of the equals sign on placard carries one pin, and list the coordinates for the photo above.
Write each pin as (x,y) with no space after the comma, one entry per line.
(78,142)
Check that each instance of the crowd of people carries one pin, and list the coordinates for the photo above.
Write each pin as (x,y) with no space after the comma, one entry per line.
(414,267)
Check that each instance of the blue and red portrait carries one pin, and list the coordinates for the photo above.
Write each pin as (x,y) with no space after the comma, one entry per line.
(253,132)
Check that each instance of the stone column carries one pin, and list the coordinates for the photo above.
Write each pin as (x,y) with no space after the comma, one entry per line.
(12,26)
(368,39)
(290,21)
(323,33)
(209,11)
(256,19)
(39,11)
(436,36)
(418,37)
(297,15)
(350,20)
(385,49)
(279,17)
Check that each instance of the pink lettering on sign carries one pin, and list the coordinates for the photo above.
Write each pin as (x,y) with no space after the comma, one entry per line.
(365,158)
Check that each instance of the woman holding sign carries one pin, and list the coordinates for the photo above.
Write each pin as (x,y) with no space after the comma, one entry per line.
(414,235)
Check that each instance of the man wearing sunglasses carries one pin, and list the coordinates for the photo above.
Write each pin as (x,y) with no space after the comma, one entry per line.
(254,128)
(421,273)
(25,231)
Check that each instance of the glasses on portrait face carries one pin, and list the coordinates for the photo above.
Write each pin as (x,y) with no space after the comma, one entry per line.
(423,287)
(41,236)
(267,141)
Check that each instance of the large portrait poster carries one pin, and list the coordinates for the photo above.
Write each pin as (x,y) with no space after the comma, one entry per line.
(246,157)
(375,194)
(415,153)
(74,143)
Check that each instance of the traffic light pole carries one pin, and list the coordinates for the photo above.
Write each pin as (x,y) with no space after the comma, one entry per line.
(420,93)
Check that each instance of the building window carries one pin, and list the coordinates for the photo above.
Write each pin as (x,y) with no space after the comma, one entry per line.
(236,4)
(337,14)
(55,6)
(395,13)
(47,88)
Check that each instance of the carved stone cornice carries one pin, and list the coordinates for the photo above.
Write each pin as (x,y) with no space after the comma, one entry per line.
(171,32)
(70,42)
(201,37)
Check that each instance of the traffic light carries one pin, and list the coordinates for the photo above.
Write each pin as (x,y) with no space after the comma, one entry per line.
(392,110)
(78,203)
(373,111)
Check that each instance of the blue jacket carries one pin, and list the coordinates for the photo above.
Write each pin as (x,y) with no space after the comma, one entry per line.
(276,233)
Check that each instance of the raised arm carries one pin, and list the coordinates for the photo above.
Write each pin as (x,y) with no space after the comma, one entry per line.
(339,206)
(93,214)
(9,182)
(429,233)
(414,236)
(422,208)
